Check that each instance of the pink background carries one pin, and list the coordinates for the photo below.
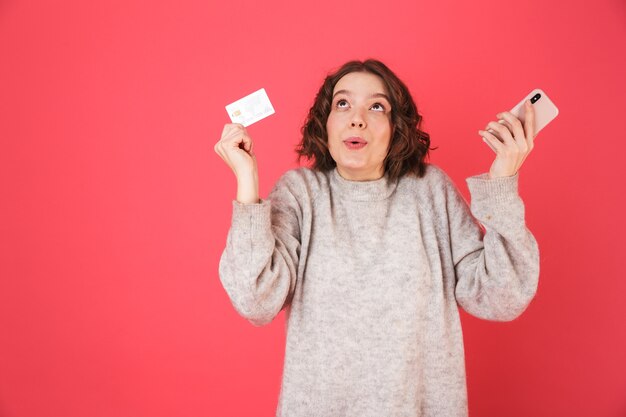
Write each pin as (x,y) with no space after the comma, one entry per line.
(115,209)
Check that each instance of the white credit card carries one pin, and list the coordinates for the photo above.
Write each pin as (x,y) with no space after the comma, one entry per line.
(251,108)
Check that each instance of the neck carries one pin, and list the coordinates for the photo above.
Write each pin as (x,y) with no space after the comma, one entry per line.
(354,175)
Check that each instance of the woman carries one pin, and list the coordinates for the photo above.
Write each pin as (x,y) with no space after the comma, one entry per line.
(371,251)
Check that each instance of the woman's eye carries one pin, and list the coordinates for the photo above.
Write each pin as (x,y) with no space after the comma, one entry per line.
(378,107)
(342,103)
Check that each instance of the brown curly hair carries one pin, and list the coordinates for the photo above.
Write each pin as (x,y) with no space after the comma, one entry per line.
(409,145)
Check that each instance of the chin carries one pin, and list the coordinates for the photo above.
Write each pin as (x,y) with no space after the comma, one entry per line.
(352,167)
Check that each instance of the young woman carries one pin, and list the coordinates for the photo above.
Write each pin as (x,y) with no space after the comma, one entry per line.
(371,251)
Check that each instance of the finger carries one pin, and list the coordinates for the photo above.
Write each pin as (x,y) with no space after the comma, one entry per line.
(502,122)
(243,140)
(502,132)
(228,129)
(531,145)
(517,130)
(237,136)
(505,124)
(231,130)
(235,139)
(480,132)
(493,132)
(492,140)
(246,144)
(490,145)
(513,123)
(529,127)
(529,120)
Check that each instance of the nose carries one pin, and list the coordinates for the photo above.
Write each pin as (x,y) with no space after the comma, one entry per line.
(357,121)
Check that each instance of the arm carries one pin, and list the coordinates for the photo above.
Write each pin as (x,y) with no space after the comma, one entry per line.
(497,270)
(258,267)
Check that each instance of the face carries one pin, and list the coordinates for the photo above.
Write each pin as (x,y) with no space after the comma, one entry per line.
(359,126)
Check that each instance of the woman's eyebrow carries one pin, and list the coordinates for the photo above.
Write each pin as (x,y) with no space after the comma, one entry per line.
(380,95)
(375,95)
(346,92)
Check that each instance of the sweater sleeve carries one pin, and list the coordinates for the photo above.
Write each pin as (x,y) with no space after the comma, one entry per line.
(496,257)
(258,267)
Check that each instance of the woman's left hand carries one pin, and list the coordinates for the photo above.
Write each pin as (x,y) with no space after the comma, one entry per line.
(517,141)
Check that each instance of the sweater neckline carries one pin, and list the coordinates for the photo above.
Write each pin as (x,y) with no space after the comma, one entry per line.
(373,190)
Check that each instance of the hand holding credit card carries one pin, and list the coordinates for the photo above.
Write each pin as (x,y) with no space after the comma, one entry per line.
(251,108)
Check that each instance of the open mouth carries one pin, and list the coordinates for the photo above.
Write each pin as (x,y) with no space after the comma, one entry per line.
(355,143)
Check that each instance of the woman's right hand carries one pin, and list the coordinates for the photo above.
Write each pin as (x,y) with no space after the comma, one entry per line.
(235,148)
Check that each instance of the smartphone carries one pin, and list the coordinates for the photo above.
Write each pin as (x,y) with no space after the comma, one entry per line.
(545,110)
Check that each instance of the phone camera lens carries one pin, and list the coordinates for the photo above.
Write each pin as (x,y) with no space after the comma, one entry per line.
(535,98)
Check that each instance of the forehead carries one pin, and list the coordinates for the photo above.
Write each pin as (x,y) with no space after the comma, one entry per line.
(361,83)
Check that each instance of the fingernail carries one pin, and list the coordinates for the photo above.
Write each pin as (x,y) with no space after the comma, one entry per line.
(498,115)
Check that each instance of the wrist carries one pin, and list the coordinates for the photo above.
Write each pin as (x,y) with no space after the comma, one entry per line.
(247,189)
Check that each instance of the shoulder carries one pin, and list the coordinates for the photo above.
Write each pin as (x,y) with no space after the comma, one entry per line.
(434,179)
(438,176)
(434,191)
(302,182)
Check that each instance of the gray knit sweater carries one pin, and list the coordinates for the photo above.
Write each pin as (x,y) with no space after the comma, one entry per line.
(371,275)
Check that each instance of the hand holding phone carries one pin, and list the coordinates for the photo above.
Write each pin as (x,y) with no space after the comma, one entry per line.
(545,110)
(513,141)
